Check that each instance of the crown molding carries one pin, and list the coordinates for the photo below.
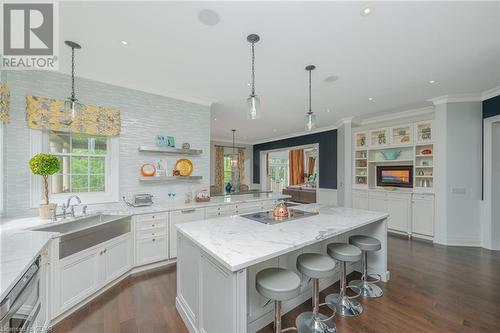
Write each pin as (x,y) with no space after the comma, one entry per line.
(456,98)
(396,115)
(494,92)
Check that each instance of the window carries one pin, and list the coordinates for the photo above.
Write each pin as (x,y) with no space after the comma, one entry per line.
(228,169)
(89,167)
(83,163)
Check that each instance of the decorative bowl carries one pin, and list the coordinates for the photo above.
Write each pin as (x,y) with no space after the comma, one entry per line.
(391,154)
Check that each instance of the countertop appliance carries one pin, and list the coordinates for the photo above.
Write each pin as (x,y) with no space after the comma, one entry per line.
(140,200)
(20,308)
(268,218)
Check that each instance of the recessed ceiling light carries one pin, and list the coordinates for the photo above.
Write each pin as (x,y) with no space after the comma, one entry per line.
(124,42)
(432,81)
(331,78)
(249,84)
(370,99)
(215,118)
(328,110)
(208,17)
(366,11)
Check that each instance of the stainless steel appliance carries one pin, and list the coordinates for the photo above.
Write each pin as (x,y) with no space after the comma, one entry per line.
(21,306)
(140,200)
(268,218)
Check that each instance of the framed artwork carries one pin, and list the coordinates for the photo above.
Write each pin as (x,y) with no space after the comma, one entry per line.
(165,141)
(170,141)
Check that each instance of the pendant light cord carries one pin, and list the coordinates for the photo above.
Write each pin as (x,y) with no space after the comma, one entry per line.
(233,139)
(310,109)
(73,98)
(253,69)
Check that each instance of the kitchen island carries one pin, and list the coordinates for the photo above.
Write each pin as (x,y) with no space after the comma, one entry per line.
(218,260)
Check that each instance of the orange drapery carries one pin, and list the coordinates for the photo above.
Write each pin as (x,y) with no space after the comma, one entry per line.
(312,160)
(296,162)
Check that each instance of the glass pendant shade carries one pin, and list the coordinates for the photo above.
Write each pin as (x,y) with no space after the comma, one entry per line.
(253,107)
(71,108)
(310,119)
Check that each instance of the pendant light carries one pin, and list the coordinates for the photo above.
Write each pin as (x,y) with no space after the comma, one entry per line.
(234,154)
(71,105)
(253,100)
(310,117)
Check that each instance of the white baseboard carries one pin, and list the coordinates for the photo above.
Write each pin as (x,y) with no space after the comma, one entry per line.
(463,241)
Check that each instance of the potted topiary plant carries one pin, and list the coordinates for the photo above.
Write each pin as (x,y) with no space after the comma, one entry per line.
(45,165)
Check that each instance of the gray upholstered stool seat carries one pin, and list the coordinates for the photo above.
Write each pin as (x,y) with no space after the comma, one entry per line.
(278,283)
(344,252)
(315,265)
(365,243)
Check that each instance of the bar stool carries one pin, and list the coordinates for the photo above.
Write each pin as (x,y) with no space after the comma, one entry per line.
(366,244)
(278,284)
(315,266)
(343,304)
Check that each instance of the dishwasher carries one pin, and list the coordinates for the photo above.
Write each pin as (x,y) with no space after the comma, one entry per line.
(21,306)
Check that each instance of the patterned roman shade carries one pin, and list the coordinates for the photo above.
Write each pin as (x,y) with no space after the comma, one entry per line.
(46,113)
(4,103)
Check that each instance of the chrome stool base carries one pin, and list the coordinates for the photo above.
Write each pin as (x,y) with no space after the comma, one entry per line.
(307,323)
(368,289)
(344,306)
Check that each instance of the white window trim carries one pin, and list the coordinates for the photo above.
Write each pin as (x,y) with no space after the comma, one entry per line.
(39,141)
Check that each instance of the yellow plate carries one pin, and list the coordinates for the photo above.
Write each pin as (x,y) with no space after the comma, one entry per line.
(184,166)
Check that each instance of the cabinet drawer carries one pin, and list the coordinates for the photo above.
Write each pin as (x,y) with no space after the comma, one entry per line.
(148,225)
(151,217)
(149,250)
(151,233)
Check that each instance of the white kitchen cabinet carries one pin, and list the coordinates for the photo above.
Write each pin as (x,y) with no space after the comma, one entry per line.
(117,258)
(423,214)
(81,274)
(178,217)
(77,277)
(220,211)
(151,238)
(397,205)
(360,199)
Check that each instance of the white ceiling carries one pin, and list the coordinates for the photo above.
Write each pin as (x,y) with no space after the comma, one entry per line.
(390,55)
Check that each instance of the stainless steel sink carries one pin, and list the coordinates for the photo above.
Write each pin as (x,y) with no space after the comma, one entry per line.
(86,232)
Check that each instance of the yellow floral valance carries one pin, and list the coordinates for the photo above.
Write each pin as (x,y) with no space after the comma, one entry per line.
(47,113)
(4,103)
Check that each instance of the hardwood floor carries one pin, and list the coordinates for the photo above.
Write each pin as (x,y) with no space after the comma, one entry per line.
(432,289)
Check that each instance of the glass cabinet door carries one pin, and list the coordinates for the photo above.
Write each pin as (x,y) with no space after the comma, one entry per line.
(361,140)
(401,135)
(379,137)
(423,132)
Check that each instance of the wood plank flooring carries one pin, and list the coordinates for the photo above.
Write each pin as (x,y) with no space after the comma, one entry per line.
(432,289)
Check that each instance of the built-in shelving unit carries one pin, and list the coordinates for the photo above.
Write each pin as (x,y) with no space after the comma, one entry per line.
(412,141)
(168,150)
(169,178)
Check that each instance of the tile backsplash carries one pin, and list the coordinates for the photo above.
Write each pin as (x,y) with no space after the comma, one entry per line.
(143,116)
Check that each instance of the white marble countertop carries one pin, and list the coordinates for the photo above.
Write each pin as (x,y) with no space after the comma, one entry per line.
(18,250)
(237,242)
(120,208)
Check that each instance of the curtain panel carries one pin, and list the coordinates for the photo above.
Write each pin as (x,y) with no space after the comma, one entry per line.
(4,103)
(241,165)
(296,165)
(47,113)
(219,169)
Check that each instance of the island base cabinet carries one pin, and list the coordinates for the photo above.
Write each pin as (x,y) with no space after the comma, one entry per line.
(200,281)
(78,276)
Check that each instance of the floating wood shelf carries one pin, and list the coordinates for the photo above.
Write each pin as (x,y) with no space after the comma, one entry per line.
(168,150)
(169,178)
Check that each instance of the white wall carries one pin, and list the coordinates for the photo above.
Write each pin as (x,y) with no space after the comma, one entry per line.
(248,161)
(495,216)
(463,173)
(143,115)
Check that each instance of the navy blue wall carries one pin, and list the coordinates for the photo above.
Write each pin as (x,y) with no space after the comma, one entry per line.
(491,107)
(327,155)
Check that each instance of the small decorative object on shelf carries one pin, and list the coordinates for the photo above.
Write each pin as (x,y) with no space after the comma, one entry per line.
(391,154)
(186,146)
(161,169)
(426,152)
(148,170)
(229,188)
(165,141)
(202,195)
(176,173)
(184,166)
(170,141)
